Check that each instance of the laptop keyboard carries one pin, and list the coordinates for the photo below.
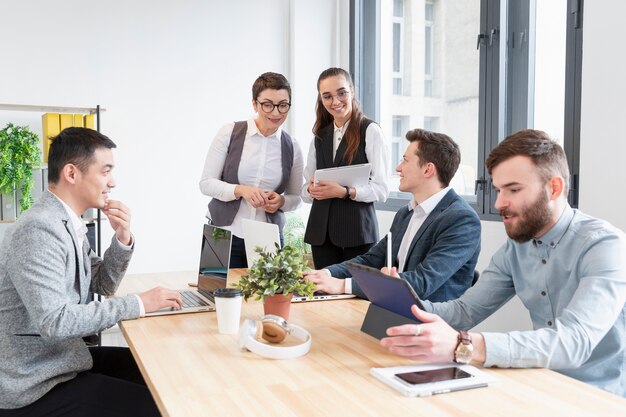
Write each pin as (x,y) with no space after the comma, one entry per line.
(191,299)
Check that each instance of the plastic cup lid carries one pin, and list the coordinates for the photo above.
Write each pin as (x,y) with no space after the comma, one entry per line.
(227,292)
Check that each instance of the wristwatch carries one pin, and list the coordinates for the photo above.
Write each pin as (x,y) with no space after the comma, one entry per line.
(347,196)
(465,349)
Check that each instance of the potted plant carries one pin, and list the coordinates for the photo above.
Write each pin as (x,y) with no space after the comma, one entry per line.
(274,278)
(294,236)
(19,154)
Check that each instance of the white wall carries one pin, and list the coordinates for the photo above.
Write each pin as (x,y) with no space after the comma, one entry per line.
(169,74)
(603,142)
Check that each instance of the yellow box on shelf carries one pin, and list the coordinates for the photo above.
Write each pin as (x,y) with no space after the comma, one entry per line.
(50,127)
(78,120)
(67,120)
(90,121)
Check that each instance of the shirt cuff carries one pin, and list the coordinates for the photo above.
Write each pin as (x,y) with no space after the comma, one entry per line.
(348,286)
(142,309)
(126,247)
(497,351)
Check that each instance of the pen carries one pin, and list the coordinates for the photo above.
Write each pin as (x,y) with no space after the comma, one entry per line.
(389,263)
(445,391)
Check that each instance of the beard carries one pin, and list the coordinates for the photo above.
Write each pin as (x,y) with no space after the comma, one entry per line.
(534,218)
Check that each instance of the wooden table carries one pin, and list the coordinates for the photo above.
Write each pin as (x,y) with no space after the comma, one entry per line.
(192,370)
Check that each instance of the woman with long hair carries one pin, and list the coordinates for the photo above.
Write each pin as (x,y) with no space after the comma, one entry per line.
(342,223)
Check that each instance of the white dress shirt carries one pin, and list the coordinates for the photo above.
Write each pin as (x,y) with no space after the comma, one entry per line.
(377,154)
(260,166)
(420,213)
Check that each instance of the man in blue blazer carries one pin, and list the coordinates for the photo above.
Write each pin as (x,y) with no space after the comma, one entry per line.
(47,276)
(435,238)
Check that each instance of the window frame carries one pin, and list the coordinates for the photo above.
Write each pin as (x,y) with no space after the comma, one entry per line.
(498,113)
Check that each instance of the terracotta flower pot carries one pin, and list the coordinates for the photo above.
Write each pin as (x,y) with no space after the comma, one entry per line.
(279,305)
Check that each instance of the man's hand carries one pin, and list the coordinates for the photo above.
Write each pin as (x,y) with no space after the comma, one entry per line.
(327,189)
(119,219)
(432,341)
(158,298)
(325,283)
(252,195)
(274,201)
(392,273)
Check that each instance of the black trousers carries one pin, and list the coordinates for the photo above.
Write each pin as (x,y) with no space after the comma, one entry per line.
(329,254)
(114,387)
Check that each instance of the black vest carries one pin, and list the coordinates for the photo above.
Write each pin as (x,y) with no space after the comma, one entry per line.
(223,212)
(348,223)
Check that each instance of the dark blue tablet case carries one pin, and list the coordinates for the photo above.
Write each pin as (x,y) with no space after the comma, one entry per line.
(391,300)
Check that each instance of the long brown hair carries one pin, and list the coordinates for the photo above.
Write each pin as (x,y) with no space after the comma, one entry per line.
(323,118)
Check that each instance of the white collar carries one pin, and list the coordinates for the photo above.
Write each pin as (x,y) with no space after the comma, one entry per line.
(77,223)
(254,130)
(341,130)
(431,202)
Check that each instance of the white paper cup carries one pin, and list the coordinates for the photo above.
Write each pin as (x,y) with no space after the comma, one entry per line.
(228,305)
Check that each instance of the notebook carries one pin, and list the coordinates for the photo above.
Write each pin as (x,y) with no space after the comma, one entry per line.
(212,272)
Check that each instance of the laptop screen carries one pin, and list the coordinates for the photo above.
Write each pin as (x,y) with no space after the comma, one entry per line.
(214,258)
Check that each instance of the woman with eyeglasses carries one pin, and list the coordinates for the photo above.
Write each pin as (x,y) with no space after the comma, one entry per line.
(342,223)
(253,169)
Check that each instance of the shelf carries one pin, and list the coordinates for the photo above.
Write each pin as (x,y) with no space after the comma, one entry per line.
(49,109)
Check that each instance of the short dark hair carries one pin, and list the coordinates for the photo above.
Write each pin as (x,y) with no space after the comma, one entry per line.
(547,155)
(270,80)
(440,150)
(74,145)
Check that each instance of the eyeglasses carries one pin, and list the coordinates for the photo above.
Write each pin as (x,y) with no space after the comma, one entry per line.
(269,107)
(342,95)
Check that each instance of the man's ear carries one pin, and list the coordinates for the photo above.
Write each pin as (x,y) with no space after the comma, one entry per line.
(69,173)
(556,187)
(429,170)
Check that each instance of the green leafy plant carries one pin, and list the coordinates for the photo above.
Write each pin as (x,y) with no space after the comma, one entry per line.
(276,273)
(294,233)
(19,154)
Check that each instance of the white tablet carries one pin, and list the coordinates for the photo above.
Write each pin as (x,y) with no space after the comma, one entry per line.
(349,175)
(256,233)
(427,380)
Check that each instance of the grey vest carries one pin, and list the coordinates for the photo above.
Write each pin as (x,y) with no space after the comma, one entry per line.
(223,212)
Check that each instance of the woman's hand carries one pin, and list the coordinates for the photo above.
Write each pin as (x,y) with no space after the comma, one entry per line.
(326,189)
(274,201)
(253,195)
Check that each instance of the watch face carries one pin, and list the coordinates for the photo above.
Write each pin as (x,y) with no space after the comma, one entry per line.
(463,353)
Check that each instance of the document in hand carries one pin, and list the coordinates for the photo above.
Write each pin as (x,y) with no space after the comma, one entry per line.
(350,175)
(427,380)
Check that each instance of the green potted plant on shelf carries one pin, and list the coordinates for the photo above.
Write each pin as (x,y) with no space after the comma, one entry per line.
(19,154)
(274,278)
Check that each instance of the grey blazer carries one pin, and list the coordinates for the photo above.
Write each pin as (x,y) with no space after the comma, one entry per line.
(45,283)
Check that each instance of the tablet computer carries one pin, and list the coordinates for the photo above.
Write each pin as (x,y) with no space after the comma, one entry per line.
(348,175)
(431,379)
(392,294)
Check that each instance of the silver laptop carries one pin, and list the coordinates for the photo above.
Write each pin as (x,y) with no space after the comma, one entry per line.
(212,272)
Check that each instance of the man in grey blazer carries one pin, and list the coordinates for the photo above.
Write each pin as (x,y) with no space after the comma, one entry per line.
(435,239)
(48,274)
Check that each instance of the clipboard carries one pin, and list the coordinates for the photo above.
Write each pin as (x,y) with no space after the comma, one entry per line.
(348,176)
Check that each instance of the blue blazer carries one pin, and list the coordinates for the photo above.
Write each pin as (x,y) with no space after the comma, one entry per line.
(442,256)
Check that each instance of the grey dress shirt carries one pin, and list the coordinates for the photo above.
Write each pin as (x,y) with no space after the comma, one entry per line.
(573,282)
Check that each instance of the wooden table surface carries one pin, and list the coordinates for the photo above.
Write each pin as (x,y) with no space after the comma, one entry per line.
(192,370)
